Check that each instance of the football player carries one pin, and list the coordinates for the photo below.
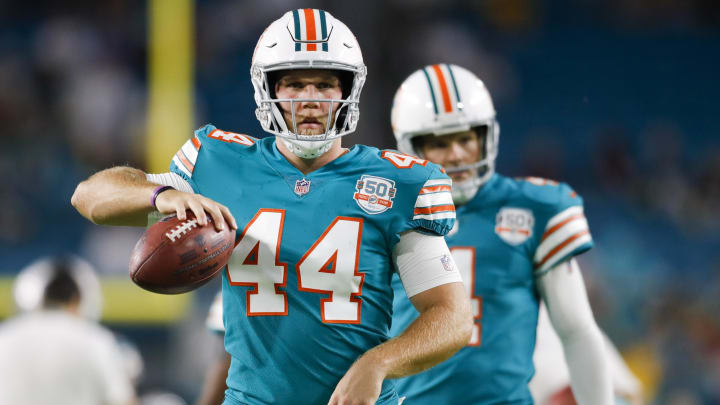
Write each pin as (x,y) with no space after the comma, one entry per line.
(514,241)
(307,294)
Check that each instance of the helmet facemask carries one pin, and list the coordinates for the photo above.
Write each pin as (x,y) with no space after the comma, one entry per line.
(343,114)
(463,191)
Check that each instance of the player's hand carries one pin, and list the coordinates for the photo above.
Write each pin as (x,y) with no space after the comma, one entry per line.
(177,202)
(361,385)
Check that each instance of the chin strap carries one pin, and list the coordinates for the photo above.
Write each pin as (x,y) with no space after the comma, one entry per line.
(307,149)
(464,191)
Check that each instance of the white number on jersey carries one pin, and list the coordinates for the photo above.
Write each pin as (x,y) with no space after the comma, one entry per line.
(465,261)
(402,161)
(255,263)
(329,267)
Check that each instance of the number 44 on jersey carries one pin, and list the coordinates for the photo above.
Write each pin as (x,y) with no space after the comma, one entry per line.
(330,267)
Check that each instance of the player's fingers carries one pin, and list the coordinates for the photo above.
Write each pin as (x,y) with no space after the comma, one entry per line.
(180,210)
(215,213)
(198,210)
(228,216)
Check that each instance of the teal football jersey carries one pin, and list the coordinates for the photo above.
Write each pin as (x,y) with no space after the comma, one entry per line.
(508,234)
(308,287)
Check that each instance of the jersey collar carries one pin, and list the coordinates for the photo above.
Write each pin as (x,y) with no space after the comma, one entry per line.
(280,163)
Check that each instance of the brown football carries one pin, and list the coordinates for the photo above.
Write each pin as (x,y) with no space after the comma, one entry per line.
(173,256)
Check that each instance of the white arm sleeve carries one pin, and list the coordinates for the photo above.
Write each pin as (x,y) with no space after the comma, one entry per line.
(423,262)
(170,179)
(563,290)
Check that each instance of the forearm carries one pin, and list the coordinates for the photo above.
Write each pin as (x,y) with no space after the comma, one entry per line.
(587,365)
(439,332)
(116,196)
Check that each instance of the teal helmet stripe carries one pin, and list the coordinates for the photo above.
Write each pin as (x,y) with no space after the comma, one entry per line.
(323,30)
(452,79)
(296,20)
(432,92)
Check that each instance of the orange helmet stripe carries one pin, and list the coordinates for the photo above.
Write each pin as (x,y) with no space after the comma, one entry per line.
(310,28)
(443,88)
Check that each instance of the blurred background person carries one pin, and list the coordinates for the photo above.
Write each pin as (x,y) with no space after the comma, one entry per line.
(214,386)
(54,352)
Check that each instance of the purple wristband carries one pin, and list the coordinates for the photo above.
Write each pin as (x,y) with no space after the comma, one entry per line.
(156,193)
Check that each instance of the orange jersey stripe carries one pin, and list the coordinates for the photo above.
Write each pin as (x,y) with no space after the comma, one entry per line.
(504,229)
(560,246)
(434,189)
(431,210)
(189,166)
(443,88)
(196,143)
(560,225)
(310,28)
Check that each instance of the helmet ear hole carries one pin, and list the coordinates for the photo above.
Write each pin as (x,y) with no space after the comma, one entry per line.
(417,143)
(346,82)
(482,132)
(272,79)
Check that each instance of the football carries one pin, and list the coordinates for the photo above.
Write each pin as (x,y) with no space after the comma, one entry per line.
(176,256)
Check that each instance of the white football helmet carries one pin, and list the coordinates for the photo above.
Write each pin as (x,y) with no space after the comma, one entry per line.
(440,100)
(308,39)
(29,285)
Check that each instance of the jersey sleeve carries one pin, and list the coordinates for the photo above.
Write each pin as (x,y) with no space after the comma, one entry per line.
(434,210)
(184,161)
(566,233)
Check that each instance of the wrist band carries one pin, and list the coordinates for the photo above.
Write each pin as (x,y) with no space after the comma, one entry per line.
(156,193)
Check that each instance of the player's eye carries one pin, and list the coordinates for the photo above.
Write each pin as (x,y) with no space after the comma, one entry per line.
(292,84)
(438,144)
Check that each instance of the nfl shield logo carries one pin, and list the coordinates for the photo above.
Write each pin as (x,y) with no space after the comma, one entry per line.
(447,263)
(302,187)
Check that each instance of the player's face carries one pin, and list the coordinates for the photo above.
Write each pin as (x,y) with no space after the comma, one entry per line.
(453,150)
(311,116)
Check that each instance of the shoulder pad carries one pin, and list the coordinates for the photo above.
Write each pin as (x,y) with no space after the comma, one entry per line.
(565,231)
(408,168)
(548,192)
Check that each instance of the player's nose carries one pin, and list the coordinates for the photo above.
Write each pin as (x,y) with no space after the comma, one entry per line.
(456,152)
(310,92)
